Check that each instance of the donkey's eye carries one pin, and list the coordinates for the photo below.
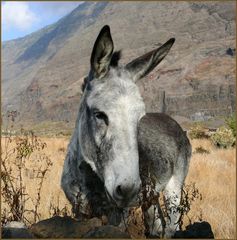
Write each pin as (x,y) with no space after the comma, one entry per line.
(101,116)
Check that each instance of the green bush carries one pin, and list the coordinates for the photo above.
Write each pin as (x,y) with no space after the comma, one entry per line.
(197,131)
(231,123)
(223,137)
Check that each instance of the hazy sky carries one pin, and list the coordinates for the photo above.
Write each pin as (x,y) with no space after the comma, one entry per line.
(22,18)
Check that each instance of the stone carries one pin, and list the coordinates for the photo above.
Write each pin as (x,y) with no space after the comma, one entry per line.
(63,227)
(107,231)
(196,230)
(15,229)
(15,224)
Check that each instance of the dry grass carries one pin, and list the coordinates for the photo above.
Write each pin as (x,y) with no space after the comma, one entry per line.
(51,193)
(214,175)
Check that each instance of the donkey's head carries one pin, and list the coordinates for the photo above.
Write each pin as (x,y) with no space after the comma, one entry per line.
(111,108)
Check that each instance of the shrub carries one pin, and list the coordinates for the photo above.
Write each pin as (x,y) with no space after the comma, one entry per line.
(223,138)
(165,206)
(197,131)
(201,150)
(15,153)
(231,123)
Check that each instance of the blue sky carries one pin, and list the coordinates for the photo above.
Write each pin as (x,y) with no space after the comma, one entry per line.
(22,18)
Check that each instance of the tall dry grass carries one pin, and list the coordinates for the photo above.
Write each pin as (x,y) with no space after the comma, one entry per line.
(215,177)
(51,195)
(213,173)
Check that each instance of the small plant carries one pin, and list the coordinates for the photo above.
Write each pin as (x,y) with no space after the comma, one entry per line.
(223,138)
(201,150)
(197,131)
(165,206)
(15,154)
(190,193)
(55,210)
(231,123)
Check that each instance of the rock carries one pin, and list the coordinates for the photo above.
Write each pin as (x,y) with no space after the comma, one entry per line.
(15,224)
(196,230)
(104,220)
(15,229)
(107,231)
(16,233)
(63,227)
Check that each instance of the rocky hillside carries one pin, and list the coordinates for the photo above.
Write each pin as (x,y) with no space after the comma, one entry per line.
(43,72)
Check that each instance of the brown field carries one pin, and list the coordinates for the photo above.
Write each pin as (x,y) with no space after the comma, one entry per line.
(214,175)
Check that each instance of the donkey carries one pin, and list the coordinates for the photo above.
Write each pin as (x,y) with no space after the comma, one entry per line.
(114,139)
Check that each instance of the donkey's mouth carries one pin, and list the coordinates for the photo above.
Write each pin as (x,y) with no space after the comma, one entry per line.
(118,204)
(110,198)
(123,203)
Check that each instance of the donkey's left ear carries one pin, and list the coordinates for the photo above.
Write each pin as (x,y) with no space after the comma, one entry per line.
(102,53)
(143,65)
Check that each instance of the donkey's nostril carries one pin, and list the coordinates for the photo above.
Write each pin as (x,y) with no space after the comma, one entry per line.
(124,192)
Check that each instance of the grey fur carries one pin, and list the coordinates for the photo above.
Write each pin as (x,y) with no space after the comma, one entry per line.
(164,152)
(114,141)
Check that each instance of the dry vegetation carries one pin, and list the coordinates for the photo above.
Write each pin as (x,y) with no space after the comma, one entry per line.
(213,172)
(52,199)
(215,177)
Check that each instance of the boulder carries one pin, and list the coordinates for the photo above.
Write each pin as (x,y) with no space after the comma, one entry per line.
(197,230)
(107,231)
(63,227)
(15,229)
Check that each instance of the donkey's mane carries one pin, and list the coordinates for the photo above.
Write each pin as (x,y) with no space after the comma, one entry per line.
(115,58)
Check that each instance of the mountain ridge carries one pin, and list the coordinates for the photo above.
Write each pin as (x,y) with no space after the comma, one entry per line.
(43,81)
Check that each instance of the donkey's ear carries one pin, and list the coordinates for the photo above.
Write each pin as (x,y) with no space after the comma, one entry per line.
(102,53)
(143,65)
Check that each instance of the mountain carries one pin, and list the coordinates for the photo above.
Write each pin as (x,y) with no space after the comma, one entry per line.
(42,72)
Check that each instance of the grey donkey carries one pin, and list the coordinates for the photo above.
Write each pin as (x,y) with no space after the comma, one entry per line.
(115,140)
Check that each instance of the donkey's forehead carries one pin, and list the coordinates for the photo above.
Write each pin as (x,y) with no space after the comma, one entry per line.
(107,91)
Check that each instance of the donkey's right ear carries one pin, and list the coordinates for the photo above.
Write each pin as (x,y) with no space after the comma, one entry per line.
(141,66)
(102,53)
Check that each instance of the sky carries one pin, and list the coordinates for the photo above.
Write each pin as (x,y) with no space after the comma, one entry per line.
(22,18)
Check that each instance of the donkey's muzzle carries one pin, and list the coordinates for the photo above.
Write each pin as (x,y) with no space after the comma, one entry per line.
(124,194)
